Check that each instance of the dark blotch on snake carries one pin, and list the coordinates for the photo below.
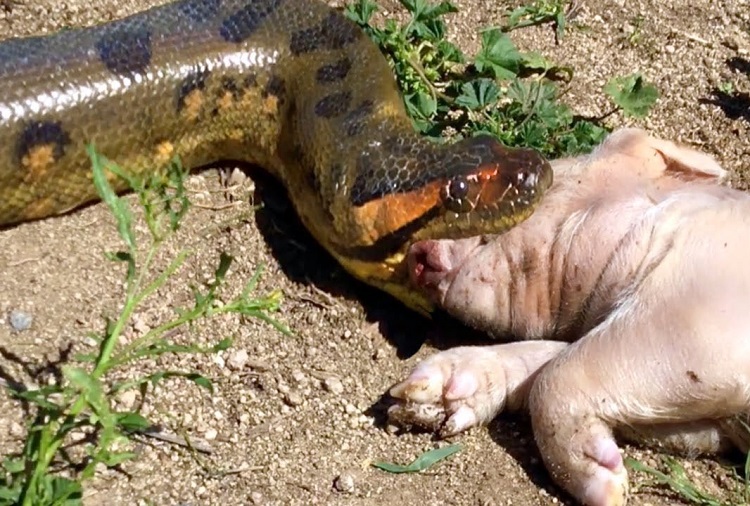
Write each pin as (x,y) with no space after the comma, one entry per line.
(240,25)
(42,133)
(200,11)
(334,72)
(354,122)
(333,105)
(275,87)
(125,49)
(334,32)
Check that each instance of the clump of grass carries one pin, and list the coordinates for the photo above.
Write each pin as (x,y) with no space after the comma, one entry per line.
(512,95)
(677,479)
(540,12)
(83,401)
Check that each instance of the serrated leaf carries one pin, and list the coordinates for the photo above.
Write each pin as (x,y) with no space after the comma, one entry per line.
(361,11)
(478,94)
(118,206)
(421,104)
(498,55)
(632,94)
(89,386)
(424,461)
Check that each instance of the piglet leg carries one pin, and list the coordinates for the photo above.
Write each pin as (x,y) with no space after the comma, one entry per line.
(668,366)
(468,386)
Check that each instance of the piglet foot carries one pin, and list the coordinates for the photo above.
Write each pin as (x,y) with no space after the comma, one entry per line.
(583,457)
(605,480)
(450,392)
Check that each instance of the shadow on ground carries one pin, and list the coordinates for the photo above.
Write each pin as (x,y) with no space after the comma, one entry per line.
(734,104)
(304,261)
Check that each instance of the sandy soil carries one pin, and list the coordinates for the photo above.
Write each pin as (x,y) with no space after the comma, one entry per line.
(297,420)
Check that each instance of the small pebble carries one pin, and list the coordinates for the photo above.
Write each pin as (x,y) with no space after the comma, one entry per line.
(299,376)
(333,385)
(127,399)
(380,354)
(15,429)
(20,320)
(237,360)
(344,482)
(210,434)
(256,498)
(293,399)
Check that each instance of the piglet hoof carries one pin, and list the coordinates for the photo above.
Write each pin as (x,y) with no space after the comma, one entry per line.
(607,480)
(450,392)
(584,459)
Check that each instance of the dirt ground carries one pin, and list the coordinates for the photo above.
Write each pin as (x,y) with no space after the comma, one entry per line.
(297,419)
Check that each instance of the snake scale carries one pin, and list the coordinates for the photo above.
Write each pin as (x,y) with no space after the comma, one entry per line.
(290,85)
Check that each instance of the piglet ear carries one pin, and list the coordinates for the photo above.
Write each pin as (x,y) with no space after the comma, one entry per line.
(688,164)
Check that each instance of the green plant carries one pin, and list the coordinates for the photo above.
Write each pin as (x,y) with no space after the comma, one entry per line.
(512,95)
(83,400)
(677,479)
(539,12)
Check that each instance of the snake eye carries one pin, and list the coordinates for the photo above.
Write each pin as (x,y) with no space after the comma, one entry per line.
(455,193)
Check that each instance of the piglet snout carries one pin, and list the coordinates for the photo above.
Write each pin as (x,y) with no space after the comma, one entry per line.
(433,263)
(428,262)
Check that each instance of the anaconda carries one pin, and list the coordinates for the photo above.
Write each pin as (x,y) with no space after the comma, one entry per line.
(290,85)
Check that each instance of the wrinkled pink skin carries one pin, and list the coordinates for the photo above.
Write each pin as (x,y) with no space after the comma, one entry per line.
(640,259)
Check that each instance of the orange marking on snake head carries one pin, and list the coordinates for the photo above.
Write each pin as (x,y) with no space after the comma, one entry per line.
(392,212)
(37,161)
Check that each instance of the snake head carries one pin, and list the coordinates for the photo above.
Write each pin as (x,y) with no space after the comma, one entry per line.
(487,188)
(476,186)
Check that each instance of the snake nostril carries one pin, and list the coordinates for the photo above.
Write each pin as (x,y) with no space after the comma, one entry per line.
(526,179)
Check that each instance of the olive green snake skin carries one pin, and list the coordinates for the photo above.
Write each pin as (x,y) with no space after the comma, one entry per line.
(290,85)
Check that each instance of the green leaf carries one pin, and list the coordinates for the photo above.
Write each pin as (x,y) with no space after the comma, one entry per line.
(225,261)
(9,495)
(196,378)
(424,461)
(118,206)
(632,94)
(222,345)
(13,465)
(63,492)
(498,55)
(361,11)
(201,381)
(478,94)
(116,458)
(132,421)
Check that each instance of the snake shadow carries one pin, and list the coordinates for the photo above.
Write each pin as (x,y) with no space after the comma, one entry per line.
(308,263)
(304,261)
(734,104)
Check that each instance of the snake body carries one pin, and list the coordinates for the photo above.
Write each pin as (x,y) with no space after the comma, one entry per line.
(290,85)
